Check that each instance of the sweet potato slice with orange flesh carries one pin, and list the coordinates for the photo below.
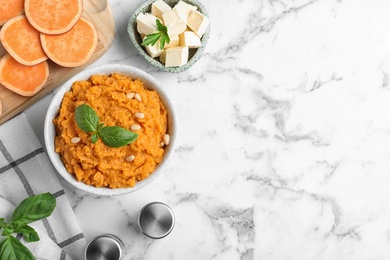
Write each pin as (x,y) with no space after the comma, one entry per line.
(21,79)
(53,16)
(22,41)
(9,9)
(73,48)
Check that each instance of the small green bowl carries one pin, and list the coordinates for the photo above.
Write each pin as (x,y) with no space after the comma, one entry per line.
(194,54)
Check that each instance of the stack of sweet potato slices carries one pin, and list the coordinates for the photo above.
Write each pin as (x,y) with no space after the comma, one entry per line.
(48,29)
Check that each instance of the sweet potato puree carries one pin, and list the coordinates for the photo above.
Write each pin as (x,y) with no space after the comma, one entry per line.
(100,165)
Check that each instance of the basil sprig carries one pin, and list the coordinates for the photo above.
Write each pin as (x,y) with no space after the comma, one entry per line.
(162,34)
(29,210)
(86,118)
(113,136)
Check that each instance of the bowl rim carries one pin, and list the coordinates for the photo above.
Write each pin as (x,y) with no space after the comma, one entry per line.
(131,32)
(52,112)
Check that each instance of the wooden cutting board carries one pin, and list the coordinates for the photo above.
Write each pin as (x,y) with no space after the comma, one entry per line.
(97,11)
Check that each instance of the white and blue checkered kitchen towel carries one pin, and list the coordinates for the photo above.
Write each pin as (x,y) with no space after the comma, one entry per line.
(25,170)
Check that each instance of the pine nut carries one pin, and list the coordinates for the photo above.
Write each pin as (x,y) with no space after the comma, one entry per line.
(75,140)
(138,97)
(166,139)
(162,144)
(130,158)
(135,127)
(139,115)
(130,95)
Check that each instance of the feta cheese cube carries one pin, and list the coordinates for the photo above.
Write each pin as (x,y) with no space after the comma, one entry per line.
(190,39)
(176,29)
(159,7)
(173,22)
(198,23)
(153,50)
(171,17)
(174,42)
(163,56)
(184,10)
(146,23)
(177,56)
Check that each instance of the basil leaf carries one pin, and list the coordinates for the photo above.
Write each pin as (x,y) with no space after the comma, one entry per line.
(99,128)
(115,136)
(2,223)
(94,138)
(151,39)
(11,249)
(34,208)
(29,234)
(8,230)
(86,118)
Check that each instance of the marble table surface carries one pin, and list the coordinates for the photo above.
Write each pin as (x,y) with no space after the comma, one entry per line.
(283,148)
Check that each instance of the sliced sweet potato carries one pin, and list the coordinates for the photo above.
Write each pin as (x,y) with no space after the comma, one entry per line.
(21,79)
(73,48)
(53,16)
(9,9)
(22,41)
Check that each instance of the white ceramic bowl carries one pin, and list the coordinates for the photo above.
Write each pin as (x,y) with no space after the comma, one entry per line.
(50,133)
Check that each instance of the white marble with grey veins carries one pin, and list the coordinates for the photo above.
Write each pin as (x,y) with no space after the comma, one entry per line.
(283,149)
